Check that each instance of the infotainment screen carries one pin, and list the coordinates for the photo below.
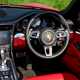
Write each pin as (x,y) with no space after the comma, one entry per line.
(5,37)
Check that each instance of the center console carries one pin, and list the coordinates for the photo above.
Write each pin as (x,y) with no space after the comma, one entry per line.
(7,67)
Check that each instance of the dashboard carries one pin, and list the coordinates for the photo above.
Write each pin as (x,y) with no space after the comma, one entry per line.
(38,31)
(17,19)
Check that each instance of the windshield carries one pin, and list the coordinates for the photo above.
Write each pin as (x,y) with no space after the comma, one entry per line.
(58,4)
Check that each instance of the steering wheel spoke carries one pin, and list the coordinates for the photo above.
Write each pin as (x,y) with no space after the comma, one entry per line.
(61,34)
(48,51)
(34,34)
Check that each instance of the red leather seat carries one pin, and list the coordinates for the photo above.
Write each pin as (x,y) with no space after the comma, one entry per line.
(72,55)
(47,77)
(19,41)
(59,76)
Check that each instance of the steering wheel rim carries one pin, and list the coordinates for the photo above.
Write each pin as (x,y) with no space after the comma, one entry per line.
(28,40)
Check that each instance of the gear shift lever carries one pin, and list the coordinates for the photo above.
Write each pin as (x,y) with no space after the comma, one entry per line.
(6,67)
(4,58)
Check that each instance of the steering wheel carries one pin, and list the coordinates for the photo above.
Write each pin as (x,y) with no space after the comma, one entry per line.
(47,35)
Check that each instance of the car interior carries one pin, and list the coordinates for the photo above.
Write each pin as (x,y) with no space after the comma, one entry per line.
(39,40)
